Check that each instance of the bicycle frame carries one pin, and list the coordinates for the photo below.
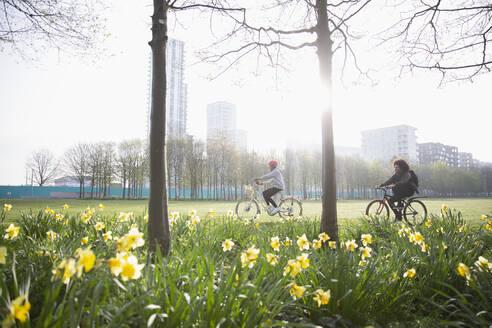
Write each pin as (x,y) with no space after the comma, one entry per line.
(258,197)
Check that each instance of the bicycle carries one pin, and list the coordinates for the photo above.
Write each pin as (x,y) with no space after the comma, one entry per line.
(249,208)
(413,210)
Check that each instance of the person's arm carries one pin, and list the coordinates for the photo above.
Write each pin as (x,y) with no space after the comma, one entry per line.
(389,181)
(267,176)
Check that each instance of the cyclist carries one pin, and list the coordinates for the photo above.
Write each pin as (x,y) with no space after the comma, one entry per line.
(274,177)
(401,184)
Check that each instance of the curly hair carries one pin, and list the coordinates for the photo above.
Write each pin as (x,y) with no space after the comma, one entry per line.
(402,164)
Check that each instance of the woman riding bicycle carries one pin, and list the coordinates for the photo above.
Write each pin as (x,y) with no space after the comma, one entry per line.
(401,184)
(275,176)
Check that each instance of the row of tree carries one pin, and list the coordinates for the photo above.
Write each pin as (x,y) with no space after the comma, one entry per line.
(216,170)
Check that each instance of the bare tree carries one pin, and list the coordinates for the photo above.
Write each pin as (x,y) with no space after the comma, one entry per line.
(27,25)
(76,164)
(451,37)
(44,166)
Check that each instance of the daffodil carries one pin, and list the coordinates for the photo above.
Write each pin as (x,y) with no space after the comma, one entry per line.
(464,271)
(302,242)
(303,260)
(322,297)
(146,218)
(296,291)
(195,220)
(65,206)
(3,254)
(123,216)
(292,268)
(107,236)
(175,215)
(192,213)
(47,210)
(332,244)
(462,228)
(416,238)
(51,235)
(350,245)
(59,217)
(362,263)
(134,239)
(101,207)
(272,258)
(230,213)
(483,217)
(482,263)
(488,226)
(366,239)
(248,258)
(275,243)
(211,212)
(115,263)
(17,309)
(85,218)
(86,260)
(84,240)
(227,245)
(287,241)
(7,207)
(366,252)
(130,269)
(234,217)
(317,243)
(99,226)
(444,207)
(324,237)
(410,273)
(428,224)
(66,269)
(11,232)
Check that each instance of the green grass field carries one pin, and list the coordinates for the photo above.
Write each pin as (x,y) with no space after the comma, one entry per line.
(471,208)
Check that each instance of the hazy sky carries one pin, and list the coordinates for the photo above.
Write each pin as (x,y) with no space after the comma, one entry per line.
(60,100)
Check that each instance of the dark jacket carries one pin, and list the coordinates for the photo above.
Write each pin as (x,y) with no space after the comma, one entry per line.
(398,179)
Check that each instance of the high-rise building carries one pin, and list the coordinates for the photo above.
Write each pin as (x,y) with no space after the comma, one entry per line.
(465,160)
(221,123)
(177,91)
(431,152)
(389,143)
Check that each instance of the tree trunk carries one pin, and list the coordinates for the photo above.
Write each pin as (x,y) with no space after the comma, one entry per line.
(158,230)
(329,222)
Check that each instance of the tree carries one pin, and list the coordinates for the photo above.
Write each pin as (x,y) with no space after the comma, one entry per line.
(27,25)
(451,37)
(44,166)
(76,164)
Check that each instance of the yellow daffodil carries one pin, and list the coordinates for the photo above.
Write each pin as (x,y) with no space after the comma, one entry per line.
(292,268)
(362,263)
(230,213)
(317,243)
(195,220)
(123,217)
(175,215)
(101,207)
(388,256)
(275,243)
(3,254)
(287,242)
(410,273)
(366,252)
(192,213)
(248,258)
(11,232)
(462,228)
(464,271)
(51,235)
(302,242)
(17,309)
(65,270)
(332,244)
(416,238)
(272,258)
(59,217)
(130,269)
(99,226)
(65,206)
(115,263)
(366,239)
(488,226)
(322,297)
(234,217)
(107,236)
(296,291)
(134,239)
(303,260)
(324,237)
(227,245)
(482,263)
(86,261)
(483,217)
(7,207)
(428,224)
(425,248)
(85,218)
(84,240)
(47,210)
(444,207)
(211,212)
(350,245)
(257,225)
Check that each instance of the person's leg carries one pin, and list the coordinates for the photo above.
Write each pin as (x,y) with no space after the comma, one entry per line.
(395,201)
(267,194)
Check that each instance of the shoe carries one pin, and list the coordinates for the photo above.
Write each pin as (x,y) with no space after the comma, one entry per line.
(275,211)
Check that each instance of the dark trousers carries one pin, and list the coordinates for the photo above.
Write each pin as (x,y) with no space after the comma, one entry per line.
(267,194)
(400,191)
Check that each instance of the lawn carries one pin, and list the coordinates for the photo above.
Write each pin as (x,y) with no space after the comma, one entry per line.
(471,208)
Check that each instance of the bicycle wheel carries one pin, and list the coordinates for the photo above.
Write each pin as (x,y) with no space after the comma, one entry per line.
(290,207)
(415,212)
(247,209)
(377,208)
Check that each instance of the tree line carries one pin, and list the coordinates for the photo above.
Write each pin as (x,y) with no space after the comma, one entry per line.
(217,170)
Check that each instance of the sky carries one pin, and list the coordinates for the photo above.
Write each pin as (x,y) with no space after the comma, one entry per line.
(60,100)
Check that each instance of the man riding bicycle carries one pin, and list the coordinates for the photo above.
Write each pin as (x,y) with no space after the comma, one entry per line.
(402,184)
(274,177)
